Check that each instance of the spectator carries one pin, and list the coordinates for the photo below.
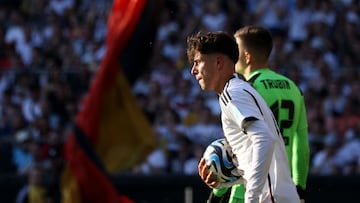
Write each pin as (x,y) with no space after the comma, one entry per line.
(213,18)
(205,130)
(348,157)
(22,156)
(156,163)
(34,190)
(323,162)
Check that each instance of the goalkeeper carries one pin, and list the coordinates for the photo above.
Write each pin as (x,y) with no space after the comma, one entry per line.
(285,100)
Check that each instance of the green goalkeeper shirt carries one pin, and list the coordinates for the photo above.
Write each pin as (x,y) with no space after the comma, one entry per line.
(287,104)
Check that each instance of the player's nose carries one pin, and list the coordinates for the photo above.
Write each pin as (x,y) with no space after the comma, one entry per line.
(194,70)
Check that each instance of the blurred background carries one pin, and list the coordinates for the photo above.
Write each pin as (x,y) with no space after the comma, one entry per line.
(51,49)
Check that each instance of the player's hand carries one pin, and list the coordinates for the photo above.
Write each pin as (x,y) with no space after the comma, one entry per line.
(302,201)
(209,178)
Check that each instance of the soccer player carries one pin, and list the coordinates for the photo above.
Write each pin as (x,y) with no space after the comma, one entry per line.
(283,97)
(248,123)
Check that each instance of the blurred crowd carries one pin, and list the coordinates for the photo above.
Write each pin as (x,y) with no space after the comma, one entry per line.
(316,43)
(50,49)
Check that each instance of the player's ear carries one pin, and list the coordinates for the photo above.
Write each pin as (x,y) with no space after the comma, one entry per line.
(248,57)
(219,61)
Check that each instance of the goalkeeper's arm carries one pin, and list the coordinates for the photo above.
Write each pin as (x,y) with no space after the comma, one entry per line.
(219,195)
(301,193)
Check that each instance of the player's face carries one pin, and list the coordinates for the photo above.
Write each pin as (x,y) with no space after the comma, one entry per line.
(204,69)
(241,64)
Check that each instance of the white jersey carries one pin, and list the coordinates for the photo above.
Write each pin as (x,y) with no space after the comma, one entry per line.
(251,130)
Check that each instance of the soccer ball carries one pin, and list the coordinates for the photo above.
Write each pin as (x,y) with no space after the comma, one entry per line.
(218,157)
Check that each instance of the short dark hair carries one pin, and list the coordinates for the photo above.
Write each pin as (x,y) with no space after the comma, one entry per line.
(257,40)
(212,42)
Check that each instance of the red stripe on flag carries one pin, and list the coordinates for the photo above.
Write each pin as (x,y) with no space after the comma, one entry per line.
(122,22)
(93,184)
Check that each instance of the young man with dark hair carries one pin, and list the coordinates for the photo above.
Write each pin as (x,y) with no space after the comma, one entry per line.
(248,123)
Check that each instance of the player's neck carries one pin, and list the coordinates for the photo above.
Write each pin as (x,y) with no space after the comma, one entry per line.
(253,67)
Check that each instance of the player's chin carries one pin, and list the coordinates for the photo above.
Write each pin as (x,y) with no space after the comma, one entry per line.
(202,85)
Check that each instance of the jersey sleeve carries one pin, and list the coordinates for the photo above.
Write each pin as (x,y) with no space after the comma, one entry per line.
(253,125)
(244,111)
(301,151)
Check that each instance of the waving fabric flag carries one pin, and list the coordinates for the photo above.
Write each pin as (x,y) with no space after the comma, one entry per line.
(111,132)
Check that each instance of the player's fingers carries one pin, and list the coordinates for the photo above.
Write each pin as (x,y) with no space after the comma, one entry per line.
(202,169)
(211,179)
(201,164)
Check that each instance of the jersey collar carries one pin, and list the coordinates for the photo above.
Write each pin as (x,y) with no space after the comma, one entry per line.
(257,72)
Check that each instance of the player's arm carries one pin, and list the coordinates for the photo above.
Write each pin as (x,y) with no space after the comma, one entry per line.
(249,119)
(219,195)
(301,154)
(263,147)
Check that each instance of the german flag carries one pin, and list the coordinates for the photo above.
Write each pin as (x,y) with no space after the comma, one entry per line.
(111,132)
